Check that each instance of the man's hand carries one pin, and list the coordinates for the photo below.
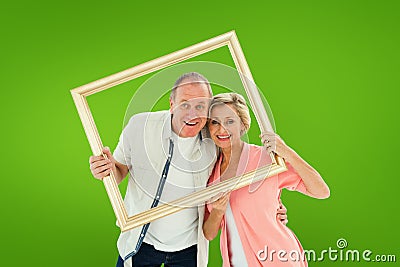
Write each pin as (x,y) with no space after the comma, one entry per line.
(100,166)
(281,213)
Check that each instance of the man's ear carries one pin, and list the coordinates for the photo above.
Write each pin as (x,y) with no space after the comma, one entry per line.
(171,105)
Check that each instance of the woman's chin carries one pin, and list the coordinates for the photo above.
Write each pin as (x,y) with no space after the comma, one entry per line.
(223,144)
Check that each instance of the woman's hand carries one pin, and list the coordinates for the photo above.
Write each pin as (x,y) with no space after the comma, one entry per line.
(315,185)
(274,143)
(219,206)
(212,221)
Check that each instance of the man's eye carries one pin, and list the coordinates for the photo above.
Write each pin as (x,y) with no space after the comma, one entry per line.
(199,107)
(185,106)
(214,122)
(230,121)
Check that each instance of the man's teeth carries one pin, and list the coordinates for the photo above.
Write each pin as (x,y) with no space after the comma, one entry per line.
(191,123)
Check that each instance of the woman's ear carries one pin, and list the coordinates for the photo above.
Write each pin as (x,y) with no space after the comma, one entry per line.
(242,129)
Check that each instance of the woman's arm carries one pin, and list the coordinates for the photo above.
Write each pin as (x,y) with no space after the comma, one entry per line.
(213,220)
(315,185)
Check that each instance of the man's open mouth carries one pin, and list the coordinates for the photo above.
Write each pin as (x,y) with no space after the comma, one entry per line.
(188,123)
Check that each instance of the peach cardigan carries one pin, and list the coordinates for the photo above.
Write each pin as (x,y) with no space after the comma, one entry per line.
(254,210)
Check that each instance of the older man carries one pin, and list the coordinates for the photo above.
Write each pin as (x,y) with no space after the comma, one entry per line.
(152,147)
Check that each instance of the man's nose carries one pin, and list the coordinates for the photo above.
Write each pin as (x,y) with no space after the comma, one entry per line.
(192,113)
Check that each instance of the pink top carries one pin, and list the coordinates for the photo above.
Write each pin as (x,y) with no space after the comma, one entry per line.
(254,209)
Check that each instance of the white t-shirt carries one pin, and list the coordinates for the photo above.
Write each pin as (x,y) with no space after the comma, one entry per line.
(179,230)
(235,248)
(143,148)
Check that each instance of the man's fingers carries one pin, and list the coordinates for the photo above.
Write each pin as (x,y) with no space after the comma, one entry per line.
(99,170)
(100,163)
(93,159)
(101,166)
(106,150)
(106,172)
(102,174)
(282,209)
(282,217)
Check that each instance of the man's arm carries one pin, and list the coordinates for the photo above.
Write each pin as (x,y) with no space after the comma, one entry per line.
(281,213)
(101,167)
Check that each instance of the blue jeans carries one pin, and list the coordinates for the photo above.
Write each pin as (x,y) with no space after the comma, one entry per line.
(148,256)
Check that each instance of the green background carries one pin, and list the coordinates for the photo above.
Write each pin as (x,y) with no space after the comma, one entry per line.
(329,69)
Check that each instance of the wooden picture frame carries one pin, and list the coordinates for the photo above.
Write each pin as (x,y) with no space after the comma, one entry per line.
(79,95)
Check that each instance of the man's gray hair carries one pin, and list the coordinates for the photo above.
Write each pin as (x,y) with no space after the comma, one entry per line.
(188,78)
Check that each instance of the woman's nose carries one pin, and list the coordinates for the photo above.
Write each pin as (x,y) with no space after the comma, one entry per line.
(221,129)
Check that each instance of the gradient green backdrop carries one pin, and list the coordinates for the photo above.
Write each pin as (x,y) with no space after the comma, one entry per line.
(329,69)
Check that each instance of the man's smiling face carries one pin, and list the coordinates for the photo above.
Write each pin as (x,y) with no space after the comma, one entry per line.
(189,107)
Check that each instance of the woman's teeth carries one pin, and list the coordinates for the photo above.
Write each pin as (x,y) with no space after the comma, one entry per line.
(223,136)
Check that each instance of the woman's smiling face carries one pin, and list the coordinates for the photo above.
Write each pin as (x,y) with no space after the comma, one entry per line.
(225,125)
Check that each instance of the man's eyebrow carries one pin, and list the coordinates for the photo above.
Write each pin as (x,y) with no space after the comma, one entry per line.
(200,102)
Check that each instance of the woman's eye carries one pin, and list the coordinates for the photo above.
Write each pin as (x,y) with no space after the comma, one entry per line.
(214,122)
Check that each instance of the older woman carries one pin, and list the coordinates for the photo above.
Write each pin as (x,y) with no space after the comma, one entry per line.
(250,230)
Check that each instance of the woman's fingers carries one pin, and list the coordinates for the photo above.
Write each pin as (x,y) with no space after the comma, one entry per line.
(269,140)
(222,202)
(267,137)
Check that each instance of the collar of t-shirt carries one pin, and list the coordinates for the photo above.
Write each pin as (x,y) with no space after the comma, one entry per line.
(184,145)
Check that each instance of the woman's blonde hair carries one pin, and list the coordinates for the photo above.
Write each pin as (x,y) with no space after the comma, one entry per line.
(238,102)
